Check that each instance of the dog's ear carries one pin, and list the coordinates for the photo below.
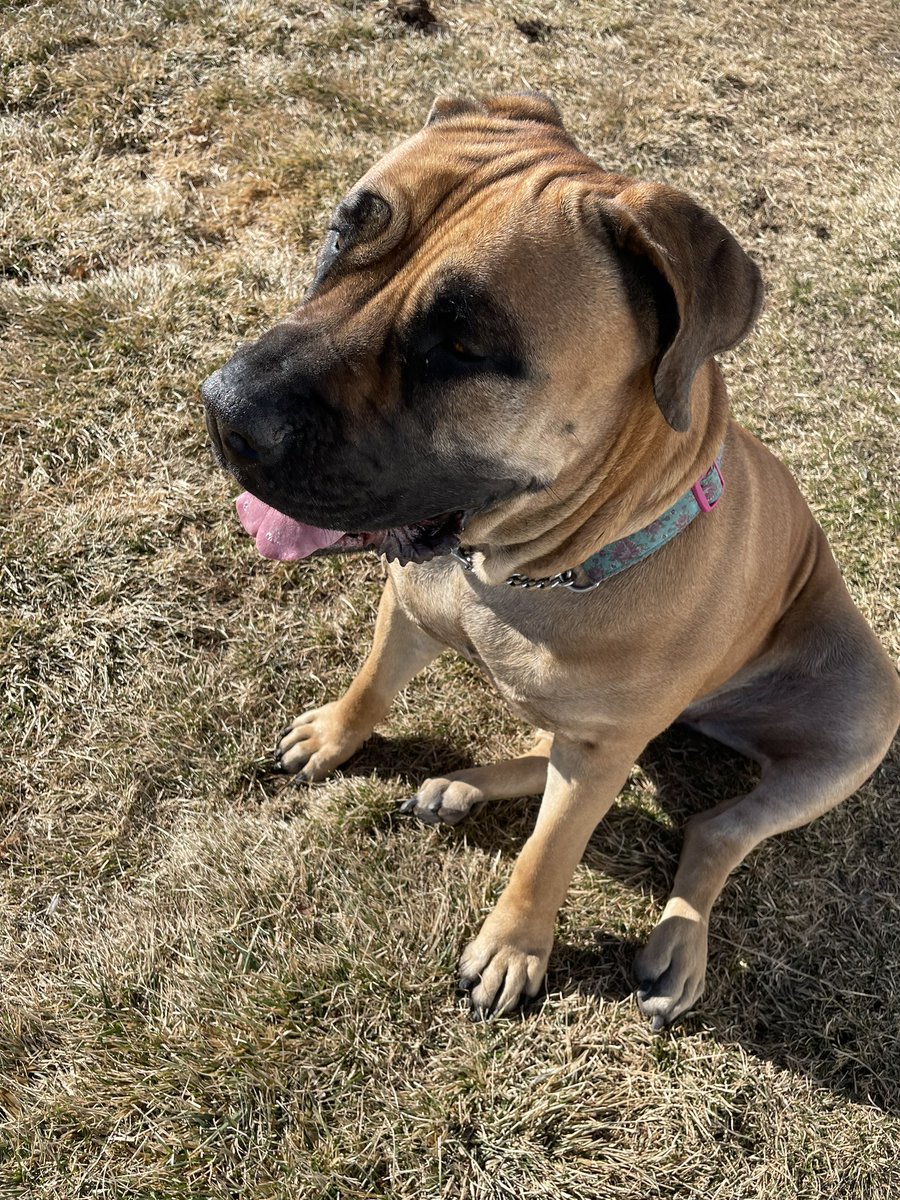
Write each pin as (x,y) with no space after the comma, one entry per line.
(706,290)
(519,106)
(525,106)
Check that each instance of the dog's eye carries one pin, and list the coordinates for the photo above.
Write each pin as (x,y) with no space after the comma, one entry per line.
(334,243)
(452,356)
(462,351)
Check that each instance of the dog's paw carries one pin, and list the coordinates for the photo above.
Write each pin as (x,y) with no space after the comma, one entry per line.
(318,741)
(670,971)
(500,967)
(443,800)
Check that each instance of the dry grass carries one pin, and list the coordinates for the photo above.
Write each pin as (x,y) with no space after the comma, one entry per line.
(215,985)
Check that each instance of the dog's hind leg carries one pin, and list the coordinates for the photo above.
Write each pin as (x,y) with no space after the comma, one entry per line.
(322,738)
(811,760)
(452,797)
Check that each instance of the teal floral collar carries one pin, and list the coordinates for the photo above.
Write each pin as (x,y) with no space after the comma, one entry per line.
(618,556)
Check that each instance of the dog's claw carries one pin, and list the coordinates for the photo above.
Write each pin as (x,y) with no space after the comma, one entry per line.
(480,1013)
(428,816)
(657,1024)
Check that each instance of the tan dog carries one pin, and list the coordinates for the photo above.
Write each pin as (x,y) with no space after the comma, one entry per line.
(506,344)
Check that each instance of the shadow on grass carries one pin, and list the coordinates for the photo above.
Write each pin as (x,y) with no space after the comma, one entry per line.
(416,757)
(804,965)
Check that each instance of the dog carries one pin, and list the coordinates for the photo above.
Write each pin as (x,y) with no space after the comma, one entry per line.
(502,379)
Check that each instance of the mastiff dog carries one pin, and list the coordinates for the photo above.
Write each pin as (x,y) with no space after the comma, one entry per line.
(502,378)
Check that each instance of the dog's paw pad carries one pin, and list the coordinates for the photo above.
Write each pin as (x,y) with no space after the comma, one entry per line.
(442,801)
(670,972)
(318,741)
(499,973)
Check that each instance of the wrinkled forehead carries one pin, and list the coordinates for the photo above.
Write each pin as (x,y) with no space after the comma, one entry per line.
(471,168)
(468,207)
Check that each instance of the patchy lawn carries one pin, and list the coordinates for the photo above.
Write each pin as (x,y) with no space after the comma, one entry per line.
(216,984)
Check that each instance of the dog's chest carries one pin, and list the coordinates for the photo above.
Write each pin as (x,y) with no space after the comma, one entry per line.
(512,640)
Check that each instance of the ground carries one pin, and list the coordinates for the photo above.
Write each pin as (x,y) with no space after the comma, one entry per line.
(218,984)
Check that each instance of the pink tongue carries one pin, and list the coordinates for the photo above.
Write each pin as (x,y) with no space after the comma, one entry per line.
(278,536)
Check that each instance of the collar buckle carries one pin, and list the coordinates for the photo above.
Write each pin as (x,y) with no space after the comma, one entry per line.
(703,502)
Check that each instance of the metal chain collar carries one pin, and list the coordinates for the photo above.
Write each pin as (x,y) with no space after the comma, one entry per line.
(566,579)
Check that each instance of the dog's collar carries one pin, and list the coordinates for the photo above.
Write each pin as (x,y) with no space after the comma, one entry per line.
(701,497)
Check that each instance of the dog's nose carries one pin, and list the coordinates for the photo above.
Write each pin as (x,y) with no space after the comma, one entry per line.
(240,447)
(242,433)
(263,404)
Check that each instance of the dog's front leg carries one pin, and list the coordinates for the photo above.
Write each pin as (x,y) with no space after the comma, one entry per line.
(322,738)
(509,956)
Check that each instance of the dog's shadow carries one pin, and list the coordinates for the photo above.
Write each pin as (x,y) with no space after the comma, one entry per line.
(804,966)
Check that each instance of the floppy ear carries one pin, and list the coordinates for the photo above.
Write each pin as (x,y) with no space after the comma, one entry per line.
(518,106)
(707,290)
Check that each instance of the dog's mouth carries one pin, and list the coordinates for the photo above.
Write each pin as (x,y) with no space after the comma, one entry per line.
(281,537)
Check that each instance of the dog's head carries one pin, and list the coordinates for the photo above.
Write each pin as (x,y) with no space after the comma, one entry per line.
(489,310)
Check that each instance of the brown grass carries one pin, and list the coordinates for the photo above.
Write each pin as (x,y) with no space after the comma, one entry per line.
(216,985)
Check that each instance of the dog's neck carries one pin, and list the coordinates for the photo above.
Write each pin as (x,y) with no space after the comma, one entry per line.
(644,470)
